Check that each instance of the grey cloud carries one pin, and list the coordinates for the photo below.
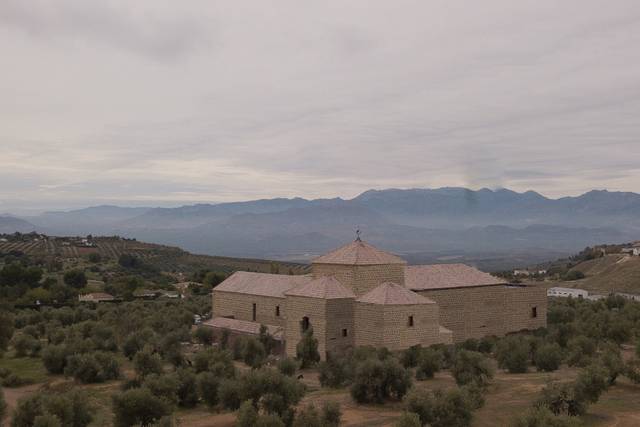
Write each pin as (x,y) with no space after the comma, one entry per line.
(143,29)
(318,100)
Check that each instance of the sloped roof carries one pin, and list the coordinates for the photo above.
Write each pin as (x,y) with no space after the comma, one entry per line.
(358,253)
(243,326)
(393,294)
(444,276)
(325,287)
(270,285)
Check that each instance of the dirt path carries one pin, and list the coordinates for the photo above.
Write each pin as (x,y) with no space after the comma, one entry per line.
(12,395)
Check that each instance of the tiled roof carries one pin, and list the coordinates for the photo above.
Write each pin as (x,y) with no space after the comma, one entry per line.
(270,285)
(243,326)
(326,287)
(443,276)
(393,294)
(358,253)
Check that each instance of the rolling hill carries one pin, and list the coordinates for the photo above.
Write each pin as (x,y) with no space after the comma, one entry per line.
(165,258)
(611,273)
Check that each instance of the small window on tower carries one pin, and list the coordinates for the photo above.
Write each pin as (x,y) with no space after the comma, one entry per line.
(534,312)
(253,314)
(344,333)
(410,322)
(277,311)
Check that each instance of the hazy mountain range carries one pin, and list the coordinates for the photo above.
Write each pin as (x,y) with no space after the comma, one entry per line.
(418,223)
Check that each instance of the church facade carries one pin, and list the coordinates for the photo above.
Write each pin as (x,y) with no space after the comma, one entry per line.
(359,295)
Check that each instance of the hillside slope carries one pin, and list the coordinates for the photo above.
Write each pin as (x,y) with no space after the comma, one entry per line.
(611,273)
(165,258)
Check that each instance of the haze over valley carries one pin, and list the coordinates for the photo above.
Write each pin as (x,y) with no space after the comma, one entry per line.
(422,224)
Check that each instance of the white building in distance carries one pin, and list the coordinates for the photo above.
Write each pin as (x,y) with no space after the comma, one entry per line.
(567,293)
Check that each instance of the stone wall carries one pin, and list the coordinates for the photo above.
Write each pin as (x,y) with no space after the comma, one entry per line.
(297,309)
(520,305)
(240,306)
(327,318)
(339,317)
(388,325)
(475,312)
(369,324)
(361,278)
(398,334)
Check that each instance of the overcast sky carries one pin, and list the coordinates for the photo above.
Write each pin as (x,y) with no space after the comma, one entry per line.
(164,103)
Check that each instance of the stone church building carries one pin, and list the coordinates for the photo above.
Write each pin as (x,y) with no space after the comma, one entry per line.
(358,295)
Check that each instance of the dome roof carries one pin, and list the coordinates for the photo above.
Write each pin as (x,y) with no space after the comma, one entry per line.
(358,253)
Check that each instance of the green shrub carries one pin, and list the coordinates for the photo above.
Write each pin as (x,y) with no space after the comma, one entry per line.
(269,420)
(439,408)
(26,345)
(308,417)
(247,415)
(75,278)
(409,357)
(561,399)
(331,414)
(47,420)
(208,388)
(163,386)
(581,350)
(543,417)
(3,406)
(138,406)
(214,360)
(204,335)
(471,367)
(146,362)
(474,395)
(408,419)
(230,393)
(277,392)
(54,358)
(487,344)
(6,330)
(187,388)
(612,361)
(470,344)
(15,380)
(92,367)
(591,383)
(429,363)
(254,353)
(70,408)
(287,366)
(336,372)
(136,342)
(376,381)
(548,357)
(307,350)
(512,354)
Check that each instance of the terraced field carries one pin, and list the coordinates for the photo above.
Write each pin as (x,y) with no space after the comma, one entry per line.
(165,258)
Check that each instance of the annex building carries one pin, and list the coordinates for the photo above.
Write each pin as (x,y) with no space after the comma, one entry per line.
(359,295)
